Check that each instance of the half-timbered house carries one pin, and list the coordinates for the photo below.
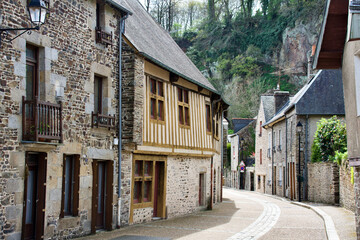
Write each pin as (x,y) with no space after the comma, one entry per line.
(172,144)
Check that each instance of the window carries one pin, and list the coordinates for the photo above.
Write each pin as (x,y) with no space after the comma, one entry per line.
(260,129)
(208,118)
(280,140)
(31,72)
(274,141)
(269,144)
(216,125)
(101,35)
(70,186)
(183,103)
(156,100)
(98,94)
(143,177)
(260,156)
(357,83)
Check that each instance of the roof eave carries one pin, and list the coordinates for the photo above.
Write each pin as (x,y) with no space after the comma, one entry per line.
(330,58)
(118,7)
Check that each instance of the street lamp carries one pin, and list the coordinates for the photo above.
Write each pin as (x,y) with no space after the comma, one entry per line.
(38,10)
(299,127)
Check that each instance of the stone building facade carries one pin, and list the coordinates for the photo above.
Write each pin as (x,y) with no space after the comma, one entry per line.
(262,146)
(59,126)
(67,62)
(291,148)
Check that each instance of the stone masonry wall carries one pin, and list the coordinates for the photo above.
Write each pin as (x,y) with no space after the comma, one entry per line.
(323,182)
(183,175)
(347,193)
(68,60)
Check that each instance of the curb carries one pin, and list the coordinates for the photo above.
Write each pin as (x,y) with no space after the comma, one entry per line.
(330,229)
(329,224)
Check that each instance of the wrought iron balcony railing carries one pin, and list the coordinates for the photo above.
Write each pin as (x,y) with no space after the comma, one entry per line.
(103,37)
(41,121)
(99,120)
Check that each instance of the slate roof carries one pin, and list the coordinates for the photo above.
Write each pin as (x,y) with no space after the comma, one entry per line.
(269,106)
(154,43)
(322,95)
(240,123)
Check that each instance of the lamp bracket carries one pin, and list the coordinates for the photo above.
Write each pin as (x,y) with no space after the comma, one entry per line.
(5,32)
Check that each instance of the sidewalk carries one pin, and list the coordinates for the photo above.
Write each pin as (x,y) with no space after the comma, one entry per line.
(344,220)
(339,222)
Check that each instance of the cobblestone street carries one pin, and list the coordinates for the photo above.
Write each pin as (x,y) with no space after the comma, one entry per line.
(241,215)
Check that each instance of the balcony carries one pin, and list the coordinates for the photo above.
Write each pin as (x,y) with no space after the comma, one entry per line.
(103,37)
(41,121)
(99,120)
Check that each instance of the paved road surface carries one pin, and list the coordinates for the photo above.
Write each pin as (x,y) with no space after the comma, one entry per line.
(241,215)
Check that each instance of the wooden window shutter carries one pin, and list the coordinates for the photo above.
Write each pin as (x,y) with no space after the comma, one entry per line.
(63,189)
(76,185)
(109,195)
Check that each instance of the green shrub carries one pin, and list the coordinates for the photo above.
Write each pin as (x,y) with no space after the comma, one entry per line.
(329,138)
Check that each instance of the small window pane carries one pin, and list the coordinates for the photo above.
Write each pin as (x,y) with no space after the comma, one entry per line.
(208,118)
(153,86)
(147,191)
(186,96)
(187,117)
(31,53)
(160,110)
(160,89)
(181,115)
(153,108)
(148,168)
(180,95)
(138,168)
(137,191)
(98,90)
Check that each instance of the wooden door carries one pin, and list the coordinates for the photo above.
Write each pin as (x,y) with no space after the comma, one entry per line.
(274,181)
(102,195)
(292,181)
(201,188)
(34,196)
(159,190)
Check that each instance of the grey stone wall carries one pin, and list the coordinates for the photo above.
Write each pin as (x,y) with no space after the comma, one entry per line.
(347,193)
(68,60)
(323,182)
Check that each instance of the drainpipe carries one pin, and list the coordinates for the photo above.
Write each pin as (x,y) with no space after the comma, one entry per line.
(222,154)
(286,155)
(272,160)
(306,158)
(122,27)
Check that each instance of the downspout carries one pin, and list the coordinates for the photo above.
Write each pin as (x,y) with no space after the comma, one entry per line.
(222,154)
(122,27)
(306,158)
(212,158)
(286,155)
(272,160)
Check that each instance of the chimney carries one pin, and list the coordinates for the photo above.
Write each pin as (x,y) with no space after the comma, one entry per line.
(281,97)
(310,61)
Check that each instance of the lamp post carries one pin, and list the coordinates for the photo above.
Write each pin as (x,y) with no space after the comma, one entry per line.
(299,127)
(38,10)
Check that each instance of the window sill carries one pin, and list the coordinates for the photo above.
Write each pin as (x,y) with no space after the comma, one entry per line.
(184,126)
(142,205)
(162,122)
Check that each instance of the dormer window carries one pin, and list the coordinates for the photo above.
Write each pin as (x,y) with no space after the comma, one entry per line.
(102,36)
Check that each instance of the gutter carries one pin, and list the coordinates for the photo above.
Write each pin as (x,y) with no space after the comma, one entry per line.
(118,7)
(122,27)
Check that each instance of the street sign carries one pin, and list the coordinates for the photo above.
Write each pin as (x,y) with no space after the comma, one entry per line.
(242,166)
